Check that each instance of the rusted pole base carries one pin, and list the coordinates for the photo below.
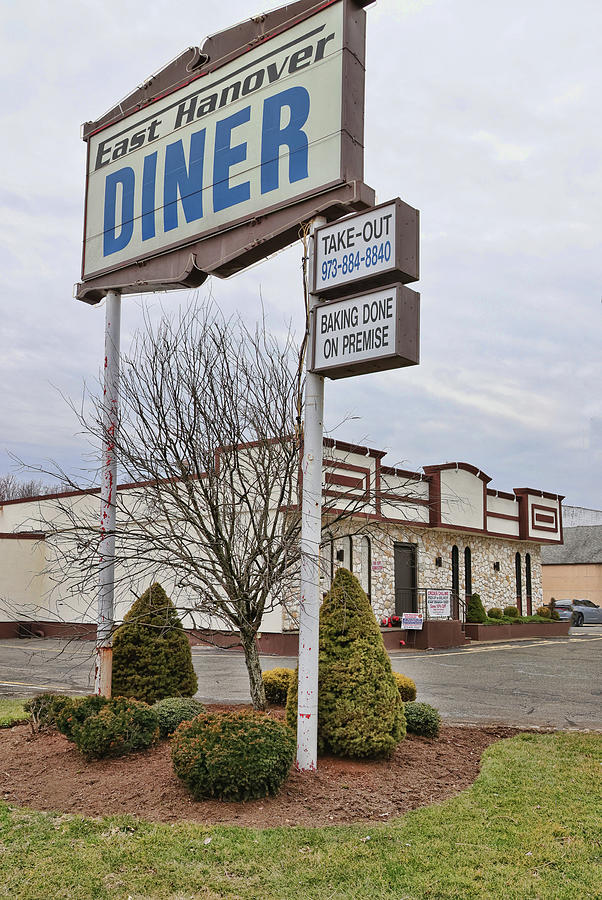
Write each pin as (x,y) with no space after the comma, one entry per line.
(104,671)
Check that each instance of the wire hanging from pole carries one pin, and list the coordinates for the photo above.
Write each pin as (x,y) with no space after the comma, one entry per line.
(304,232)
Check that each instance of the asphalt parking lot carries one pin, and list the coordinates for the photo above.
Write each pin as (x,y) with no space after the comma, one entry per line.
(547,682)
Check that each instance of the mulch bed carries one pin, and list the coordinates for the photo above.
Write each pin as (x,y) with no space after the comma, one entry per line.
(47,772)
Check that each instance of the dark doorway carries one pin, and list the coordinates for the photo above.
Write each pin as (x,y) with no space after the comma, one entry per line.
(519,584)
(405,578)
(455,559)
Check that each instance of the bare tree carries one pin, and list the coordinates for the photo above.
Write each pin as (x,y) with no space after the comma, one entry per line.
(208,444)
(13,489)
(208,438)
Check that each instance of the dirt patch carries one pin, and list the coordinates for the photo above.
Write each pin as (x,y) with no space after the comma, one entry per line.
(47,772)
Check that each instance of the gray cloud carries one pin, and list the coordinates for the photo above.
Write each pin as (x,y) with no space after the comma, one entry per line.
(485,117)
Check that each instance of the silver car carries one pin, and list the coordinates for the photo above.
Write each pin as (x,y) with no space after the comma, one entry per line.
(580,612)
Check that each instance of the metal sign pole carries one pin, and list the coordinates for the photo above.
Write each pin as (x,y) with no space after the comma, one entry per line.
(311,531)
(106,585)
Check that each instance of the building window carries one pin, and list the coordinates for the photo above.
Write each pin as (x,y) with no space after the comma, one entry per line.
(528,590)
(455,563)
(519,584)
(366,561)
(467,573)
(350,553)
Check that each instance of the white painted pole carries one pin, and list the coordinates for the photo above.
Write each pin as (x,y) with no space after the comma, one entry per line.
(311,530)
(106,584)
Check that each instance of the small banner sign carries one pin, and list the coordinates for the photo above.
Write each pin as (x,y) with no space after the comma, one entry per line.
(367,250)
(412,621)
(438,603)
(366,333)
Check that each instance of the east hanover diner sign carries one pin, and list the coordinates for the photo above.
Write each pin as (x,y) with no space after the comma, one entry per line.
(214,162)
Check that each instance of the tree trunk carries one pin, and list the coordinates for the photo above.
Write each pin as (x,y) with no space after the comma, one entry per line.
(249,645)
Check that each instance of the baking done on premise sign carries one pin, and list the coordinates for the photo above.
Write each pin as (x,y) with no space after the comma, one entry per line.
(256,133)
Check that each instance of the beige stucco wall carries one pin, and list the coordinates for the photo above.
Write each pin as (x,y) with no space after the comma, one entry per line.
(23,583)
(562,582)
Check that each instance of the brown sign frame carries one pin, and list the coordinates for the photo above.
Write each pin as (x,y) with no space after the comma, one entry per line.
(407,336)
(242,242)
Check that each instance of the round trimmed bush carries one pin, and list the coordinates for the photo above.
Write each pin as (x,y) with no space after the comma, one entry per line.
(76,711)
(121,726)
(495,613)
(171,711)
(422,719)
(406,686)
(360,712)
(511,611)
(475,611)
(544,611)
(43,709)
(235,756)
(276,684)
(151,652)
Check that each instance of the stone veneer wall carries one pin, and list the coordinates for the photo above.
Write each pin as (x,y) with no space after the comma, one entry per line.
(495,588)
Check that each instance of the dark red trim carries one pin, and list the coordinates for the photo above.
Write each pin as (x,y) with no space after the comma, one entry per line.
(503,495)
(354,448)
(466,467)
(535,526)
(484,506)
(534,493)
(350,467)
(402,473)
(495,515)
(434,499)
(22,535)
(344,480)
(418,501)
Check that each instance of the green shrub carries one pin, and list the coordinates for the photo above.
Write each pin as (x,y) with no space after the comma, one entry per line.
(475,611)
(544,611)
(151,653)
(554,614)
(121,726)
(406,686)
(495,613)
(422,719)
(511,611)
(360,712)
(43,710)
(276,683)
(171,711)
(76,711)
(236,756)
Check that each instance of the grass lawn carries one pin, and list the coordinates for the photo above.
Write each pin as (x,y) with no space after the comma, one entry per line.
(530,827)
(12,712)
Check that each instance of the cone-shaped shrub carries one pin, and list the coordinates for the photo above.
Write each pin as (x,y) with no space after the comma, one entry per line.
(360,713)
(475,611)
(151,653)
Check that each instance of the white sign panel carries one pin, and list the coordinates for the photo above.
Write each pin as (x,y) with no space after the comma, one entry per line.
(366,333)
(355,248)
(412,621)
(438,603)
(253,135)
(375,247)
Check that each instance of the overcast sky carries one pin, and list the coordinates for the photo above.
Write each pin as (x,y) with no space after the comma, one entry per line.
(484,116)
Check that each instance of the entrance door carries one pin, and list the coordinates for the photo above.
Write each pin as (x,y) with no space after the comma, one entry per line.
(405,578)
